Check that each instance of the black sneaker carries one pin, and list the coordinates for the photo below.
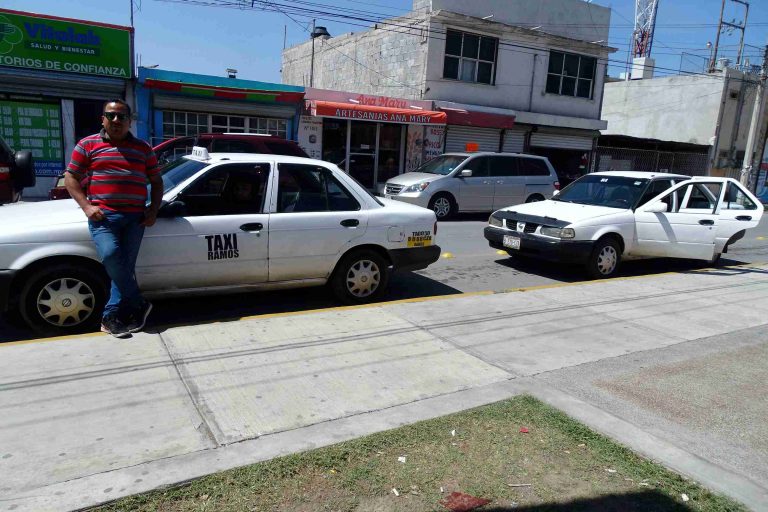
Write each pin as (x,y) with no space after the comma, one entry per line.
(138,319)
(112,325)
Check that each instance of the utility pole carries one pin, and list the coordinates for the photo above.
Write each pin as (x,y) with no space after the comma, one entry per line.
(742,27)
(312,64)
(755,126)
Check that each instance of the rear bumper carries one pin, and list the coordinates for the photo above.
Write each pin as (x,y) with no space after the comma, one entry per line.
(565,251)
(417,199)
(415,258)
(6,278)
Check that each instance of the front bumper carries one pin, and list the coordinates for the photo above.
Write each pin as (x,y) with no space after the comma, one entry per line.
(419,199)
(551,249)
(415,258)
(6,278)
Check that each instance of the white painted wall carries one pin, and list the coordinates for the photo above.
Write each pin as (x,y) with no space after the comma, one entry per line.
(520,84)
(568,18)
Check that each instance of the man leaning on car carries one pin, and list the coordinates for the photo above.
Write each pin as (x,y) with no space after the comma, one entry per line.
(118,167)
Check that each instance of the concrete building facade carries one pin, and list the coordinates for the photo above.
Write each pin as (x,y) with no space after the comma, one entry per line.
(512,75)
(703,114)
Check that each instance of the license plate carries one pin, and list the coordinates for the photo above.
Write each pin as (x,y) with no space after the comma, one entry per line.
(512,242)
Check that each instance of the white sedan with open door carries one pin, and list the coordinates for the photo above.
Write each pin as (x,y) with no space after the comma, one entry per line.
(606,217)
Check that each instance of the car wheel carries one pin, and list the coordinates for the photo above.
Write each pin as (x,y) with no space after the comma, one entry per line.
(63,299)
(360,277)
(534,198)
(443,206)
(604,260)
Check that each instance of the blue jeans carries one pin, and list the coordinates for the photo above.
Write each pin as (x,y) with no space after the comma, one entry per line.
(118,239)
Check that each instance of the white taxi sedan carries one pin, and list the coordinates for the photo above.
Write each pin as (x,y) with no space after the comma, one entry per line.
(229,222)
(605,217)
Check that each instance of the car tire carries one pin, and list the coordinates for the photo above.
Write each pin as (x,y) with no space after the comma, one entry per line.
(63,299)
(605,258)
(360,277)
(443,205)
(534,198)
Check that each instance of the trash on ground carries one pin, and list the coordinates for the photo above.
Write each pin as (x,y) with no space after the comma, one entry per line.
(395,492)
(519,485)
(523,430)
(685,497)
(401,459)
(610,470)
(459,502)
(453,433)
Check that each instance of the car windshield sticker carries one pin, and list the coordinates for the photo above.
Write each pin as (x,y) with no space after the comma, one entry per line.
(222,247)
(638,183)
(420,239)
(604,180)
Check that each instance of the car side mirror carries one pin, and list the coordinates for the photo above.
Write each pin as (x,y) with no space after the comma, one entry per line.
(173,209)
(658,207)
(465,173)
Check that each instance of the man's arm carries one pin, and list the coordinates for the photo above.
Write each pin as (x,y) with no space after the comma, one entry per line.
(77,193)
(156,195)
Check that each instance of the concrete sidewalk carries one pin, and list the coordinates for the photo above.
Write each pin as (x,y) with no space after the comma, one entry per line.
(672,365)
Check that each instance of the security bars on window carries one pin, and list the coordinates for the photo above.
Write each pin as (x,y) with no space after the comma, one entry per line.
(570,74)
(470,57)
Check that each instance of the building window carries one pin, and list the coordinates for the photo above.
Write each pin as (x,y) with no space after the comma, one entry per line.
(470,57)
(571,75)
(178,124)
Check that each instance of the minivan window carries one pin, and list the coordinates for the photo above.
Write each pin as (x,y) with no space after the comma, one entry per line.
(443,164)
(500,166)
(478,166)
(533,167)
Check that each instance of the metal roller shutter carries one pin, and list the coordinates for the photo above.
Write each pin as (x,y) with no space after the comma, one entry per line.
(457,137)
(61,85)
(552,140)
(514,141)
(222,107)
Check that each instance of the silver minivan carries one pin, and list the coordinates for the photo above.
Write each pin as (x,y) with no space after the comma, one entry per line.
(475,182)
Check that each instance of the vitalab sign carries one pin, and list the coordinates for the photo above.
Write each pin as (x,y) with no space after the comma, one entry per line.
(41,42)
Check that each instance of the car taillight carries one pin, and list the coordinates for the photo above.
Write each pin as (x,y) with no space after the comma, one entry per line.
(5,173)
(556,185)
(435,228)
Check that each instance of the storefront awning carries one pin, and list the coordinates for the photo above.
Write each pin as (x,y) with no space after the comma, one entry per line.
(374,113)
(478,119)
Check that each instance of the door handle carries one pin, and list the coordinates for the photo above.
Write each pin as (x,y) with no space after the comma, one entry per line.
(706,222)
(350,223)
(744,217)
(253,226)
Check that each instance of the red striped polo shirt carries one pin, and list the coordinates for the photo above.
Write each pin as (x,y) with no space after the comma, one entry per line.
(118,172)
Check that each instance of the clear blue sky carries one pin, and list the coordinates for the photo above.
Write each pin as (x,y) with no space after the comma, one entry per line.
(206,39)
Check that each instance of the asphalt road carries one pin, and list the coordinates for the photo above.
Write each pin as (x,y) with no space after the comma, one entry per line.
(467,264)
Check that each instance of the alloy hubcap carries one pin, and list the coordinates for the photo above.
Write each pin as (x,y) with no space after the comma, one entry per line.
(65,302)
(442,206)
(363,278)
(607,259)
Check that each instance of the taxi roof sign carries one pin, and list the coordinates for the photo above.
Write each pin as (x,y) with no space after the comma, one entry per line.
(200,153)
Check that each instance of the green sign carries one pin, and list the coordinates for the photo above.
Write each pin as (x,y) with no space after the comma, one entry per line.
(35,127)
(38,42)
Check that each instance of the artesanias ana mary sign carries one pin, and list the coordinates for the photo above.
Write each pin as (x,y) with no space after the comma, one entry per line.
(48,43)
(376,114)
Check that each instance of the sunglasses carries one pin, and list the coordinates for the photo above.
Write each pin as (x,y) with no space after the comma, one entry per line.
(115,115)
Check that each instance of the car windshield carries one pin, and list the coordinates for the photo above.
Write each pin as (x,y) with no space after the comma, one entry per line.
(442,164)
(601,190)
(179,170)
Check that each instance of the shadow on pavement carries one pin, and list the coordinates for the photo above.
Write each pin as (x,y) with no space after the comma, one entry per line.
(204,309)
(647,501)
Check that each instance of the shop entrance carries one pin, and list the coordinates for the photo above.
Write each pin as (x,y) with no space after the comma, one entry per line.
(569,164)
(370,152)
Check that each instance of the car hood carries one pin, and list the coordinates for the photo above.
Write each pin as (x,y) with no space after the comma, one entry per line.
(410,178)
(22,217)
(562,211)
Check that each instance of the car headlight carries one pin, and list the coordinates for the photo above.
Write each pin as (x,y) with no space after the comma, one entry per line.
(550,231)
(495,221)
(418,187)
(557,232)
